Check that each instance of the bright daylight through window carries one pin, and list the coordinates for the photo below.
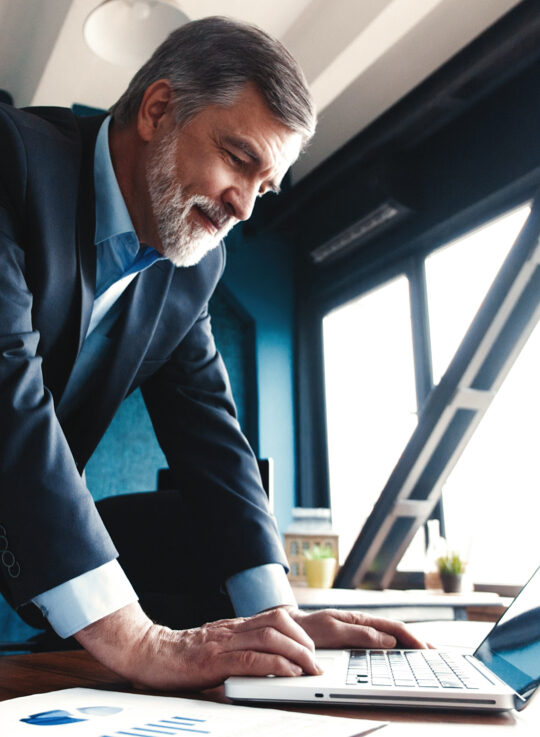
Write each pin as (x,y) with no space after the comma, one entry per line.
(370,400)
(371,410)
(490,498)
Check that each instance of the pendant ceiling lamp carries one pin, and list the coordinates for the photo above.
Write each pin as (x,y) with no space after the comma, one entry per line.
(126,32)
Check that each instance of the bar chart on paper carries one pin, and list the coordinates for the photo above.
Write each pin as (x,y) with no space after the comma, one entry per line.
(174,725)
(82,712)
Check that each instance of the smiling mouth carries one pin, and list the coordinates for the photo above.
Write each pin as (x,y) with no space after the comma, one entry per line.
(210,225)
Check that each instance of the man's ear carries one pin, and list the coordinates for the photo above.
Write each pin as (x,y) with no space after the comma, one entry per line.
(155,103)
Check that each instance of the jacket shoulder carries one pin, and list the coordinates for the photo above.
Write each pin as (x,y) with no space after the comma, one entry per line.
(38,146)
(53,121)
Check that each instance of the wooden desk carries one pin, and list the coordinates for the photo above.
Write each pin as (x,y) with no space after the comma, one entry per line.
(22,675)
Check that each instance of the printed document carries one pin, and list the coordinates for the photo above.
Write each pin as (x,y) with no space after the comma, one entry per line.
(82,712)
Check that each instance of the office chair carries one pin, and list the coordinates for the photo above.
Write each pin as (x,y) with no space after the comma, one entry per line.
(178,597)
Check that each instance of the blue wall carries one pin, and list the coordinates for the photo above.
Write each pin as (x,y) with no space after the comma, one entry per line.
(128,457)
(260,274)
(12,628)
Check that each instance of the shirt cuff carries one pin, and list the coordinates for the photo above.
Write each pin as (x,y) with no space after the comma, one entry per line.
(75,604)
(259,588)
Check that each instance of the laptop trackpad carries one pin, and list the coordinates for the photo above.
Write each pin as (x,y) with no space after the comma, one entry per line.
(334,664)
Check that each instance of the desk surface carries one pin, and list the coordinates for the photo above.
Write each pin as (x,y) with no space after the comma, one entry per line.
(409,606)
(22,675)
(366,599)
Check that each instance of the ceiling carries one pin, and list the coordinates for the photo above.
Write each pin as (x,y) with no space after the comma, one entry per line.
(359,56)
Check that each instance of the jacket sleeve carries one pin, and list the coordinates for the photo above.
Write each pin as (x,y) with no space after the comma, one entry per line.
(50,530)
(191,406)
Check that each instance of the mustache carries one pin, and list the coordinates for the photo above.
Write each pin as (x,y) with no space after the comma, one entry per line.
(214,211)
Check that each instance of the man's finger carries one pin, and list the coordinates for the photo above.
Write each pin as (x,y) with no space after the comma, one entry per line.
(397,629)
(281,620)
(338,628)
(254,663)
(270,641)
(388,627)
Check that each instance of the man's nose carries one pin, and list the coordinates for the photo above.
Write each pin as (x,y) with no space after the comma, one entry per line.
(240,201)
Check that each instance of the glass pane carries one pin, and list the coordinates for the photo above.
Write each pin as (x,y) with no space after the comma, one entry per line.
(491,496)
(414,558)
(370,400)
(458,277)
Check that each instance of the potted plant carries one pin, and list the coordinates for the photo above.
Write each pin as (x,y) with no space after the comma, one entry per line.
(320,563)
(451,568)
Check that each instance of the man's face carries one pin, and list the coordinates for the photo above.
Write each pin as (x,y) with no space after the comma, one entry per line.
(204,177)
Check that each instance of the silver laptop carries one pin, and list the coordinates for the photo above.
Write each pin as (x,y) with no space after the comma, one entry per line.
(503,673)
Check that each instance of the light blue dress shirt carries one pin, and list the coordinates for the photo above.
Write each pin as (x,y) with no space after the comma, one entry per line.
(120,257)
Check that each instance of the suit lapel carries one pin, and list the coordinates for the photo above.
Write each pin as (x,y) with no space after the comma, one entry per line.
(142,304)
(130,335)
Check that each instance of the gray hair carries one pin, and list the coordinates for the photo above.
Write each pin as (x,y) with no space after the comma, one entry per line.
(209,61)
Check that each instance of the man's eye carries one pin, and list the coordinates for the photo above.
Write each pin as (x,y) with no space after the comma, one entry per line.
(235,159)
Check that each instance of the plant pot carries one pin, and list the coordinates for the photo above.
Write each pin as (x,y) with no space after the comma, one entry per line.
(320,572)
(451,582)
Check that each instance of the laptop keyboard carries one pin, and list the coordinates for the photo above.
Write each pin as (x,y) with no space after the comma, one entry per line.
(412,668)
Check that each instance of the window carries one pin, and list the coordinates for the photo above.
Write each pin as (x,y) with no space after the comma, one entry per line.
(370,399)
(490,498)
(457,278)
(494,483)
(369,377)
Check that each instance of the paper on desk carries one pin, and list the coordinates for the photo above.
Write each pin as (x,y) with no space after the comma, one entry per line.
(84,712)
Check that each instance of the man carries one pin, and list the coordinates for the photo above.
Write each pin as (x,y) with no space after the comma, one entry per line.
(110,245)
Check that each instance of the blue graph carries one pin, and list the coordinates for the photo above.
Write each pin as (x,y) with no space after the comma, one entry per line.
(175,725)
(56,717)
(171,726)
(51,718)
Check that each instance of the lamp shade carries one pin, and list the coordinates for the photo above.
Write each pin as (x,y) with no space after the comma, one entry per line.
(126,32)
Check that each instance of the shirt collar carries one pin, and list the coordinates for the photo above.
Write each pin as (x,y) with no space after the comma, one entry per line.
(112,216)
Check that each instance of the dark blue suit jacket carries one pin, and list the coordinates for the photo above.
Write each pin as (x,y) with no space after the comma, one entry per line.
(50,530)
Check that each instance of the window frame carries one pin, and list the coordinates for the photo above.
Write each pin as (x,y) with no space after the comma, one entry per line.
(411,264)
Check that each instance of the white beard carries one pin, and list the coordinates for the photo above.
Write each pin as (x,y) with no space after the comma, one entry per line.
(183,241)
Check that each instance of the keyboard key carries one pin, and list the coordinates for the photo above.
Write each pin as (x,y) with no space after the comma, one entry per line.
(405,682)
(412,668)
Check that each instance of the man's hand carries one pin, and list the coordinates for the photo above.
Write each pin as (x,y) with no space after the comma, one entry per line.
(153,656)
(335,628)
(279,642)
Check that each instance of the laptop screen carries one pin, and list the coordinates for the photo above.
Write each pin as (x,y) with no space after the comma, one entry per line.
(512,648)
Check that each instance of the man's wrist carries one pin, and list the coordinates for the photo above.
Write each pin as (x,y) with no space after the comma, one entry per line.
(75,604)
(117,640)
